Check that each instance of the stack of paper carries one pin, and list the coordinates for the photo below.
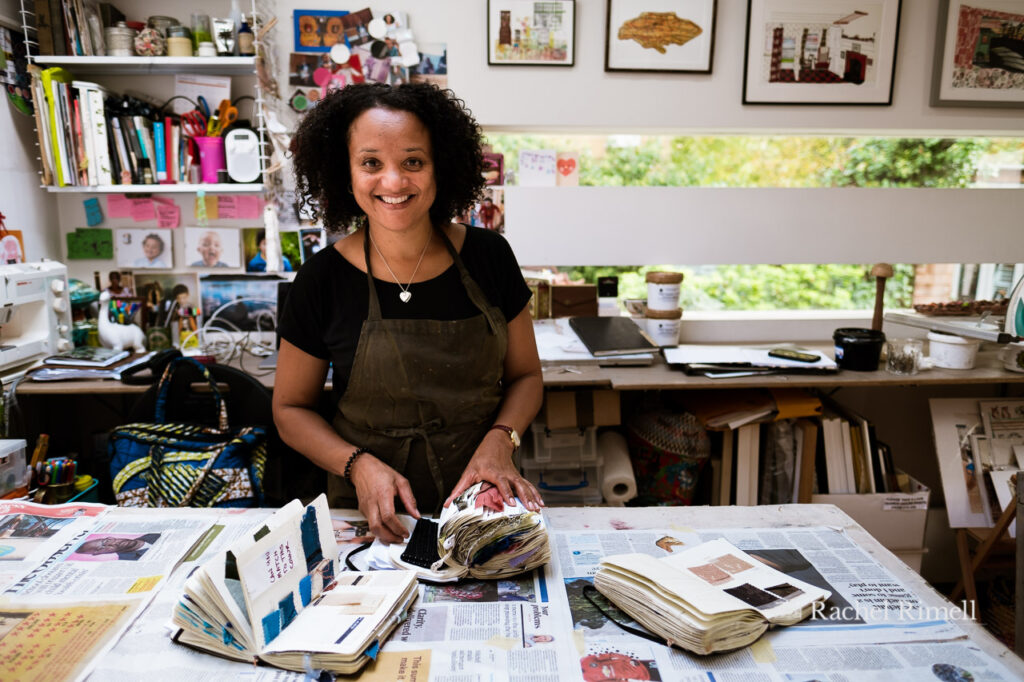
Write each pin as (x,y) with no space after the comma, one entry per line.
(712,597)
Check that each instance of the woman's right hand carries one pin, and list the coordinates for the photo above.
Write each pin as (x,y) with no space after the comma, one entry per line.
(376,486)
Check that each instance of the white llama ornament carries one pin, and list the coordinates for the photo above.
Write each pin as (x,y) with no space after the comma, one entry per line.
(118,336)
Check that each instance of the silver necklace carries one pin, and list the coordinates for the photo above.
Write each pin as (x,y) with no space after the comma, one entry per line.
(405,295)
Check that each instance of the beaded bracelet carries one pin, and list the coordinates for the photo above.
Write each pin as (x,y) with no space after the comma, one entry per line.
(351,460)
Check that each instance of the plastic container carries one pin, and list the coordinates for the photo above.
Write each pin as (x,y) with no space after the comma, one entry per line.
(179,46)
(211,157)
(564,464)
(663,290)
(120,40)
(1012,357)
(858,349)
(663,326)
(952,351)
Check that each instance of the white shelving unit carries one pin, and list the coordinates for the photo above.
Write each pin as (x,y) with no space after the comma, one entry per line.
(178,188)
(129,66)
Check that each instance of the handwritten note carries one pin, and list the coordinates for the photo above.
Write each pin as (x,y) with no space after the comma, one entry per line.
(227,206)
(249,207)
(168,215)
(537,168)
(142,209)
(119,206)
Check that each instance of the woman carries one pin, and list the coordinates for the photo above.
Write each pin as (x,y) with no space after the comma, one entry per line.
(425,321)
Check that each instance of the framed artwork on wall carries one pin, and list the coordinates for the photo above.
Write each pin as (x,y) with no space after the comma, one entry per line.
(524,32)
(676,36)
(318,30)
(825,52)
(979,54)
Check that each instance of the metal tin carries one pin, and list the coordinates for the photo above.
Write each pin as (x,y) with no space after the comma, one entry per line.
(120,40)
(179,31)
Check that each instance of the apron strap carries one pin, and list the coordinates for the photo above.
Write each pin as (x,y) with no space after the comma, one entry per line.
(374,313)
(476,294)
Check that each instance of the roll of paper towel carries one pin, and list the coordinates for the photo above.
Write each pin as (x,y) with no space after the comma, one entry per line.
(618,483)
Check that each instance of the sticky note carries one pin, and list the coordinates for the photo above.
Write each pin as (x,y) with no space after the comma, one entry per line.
(93,214)
(118,206)
(227,207)
(142,210)
(89,243)
(248,207)
(537,167)
(168,215)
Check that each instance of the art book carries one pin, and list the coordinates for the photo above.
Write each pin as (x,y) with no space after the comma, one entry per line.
(274,596)
(87,356)
(477,535)
(712,597)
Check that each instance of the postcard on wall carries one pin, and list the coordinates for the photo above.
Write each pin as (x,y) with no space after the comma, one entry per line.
(568,166)
(212,247)
(538,167)
(823,52)
(254,249)
(979,54)
(148,248)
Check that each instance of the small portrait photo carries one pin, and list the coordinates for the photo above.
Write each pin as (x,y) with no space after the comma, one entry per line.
(433,65)
(114,547)
(166,297)
(301,67)
(254,249)
(212,247)
(246,303)
(119,283)
(149,248)
(355,24)
(489,212)
(312,240)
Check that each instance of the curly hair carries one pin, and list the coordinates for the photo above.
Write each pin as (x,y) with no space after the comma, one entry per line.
(320,149)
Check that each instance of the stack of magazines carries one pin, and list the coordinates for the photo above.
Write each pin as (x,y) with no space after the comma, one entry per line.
(712,597)
(274,597)
(481,536)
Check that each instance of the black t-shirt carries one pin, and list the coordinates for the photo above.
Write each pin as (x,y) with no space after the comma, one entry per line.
(328,301)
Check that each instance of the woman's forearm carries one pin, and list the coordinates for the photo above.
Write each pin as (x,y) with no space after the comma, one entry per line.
(522,401)
(304,430)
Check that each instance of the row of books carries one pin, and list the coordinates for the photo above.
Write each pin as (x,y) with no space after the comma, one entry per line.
(73,27)
(783,446)
(90,137)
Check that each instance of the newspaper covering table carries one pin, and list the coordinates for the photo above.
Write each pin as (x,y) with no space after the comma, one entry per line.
(884,622)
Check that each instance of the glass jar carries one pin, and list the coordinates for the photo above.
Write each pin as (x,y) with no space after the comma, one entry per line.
(201,32)
(120,40)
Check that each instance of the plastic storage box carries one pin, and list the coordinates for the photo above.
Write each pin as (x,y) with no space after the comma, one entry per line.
(564,464)
(13,465)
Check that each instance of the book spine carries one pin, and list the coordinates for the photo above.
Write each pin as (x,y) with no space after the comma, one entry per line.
(56,124)
(159,144)
(44,27)
(127,176)
(42,124)
(83,108)
(60,41)
(142,129)
(98,130)
(169,150)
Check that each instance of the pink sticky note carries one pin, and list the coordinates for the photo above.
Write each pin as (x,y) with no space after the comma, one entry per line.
(118,206)
(227,207)
(163,200)
(249,207)
(142,209)
(168,215)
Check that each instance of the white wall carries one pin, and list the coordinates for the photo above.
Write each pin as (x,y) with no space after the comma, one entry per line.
(27,207)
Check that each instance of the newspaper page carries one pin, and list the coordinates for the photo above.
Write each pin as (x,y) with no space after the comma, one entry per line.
(124,553)
(30,532)
(872,625)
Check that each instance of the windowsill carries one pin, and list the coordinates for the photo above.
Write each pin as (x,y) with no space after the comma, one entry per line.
(769,326)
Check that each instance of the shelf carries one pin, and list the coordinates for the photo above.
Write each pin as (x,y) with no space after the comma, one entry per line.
(121,66)
(968,327)
(219,188)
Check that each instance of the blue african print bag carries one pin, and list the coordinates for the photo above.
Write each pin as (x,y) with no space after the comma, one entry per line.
(187,465)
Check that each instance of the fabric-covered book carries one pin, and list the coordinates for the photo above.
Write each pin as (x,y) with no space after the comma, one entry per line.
(274,596)
(712,597)
(88,356)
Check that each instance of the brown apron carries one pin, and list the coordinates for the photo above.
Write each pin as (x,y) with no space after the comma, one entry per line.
(422,393)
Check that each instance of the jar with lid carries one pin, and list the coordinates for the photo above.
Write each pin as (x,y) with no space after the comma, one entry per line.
(201,32)
(163,24)
(120,40)
(179,41)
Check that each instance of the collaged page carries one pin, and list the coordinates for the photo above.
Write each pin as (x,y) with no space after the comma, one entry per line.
(287,567)
(31,532)
(715,578)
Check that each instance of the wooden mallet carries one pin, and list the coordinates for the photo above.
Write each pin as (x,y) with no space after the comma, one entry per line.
(881,272)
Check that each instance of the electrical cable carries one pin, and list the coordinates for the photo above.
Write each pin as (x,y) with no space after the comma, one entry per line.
(217,340)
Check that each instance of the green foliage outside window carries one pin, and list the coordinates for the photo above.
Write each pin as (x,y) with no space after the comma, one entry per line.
(765,161)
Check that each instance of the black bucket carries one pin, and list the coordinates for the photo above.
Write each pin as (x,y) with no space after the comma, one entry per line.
(858,349)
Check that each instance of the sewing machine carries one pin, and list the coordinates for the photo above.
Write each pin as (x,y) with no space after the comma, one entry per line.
(35,313)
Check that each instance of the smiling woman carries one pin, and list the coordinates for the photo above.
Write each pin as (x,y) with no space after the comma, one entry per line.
(435,364)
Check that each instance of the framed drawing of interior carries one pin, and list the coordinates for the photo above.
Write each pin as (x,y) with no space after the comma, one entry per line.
(660,35)
(979,54)
(521,32)
(822,52)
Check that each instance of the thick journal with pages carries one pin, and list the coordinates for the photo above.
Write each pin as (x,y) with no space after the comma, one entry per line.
(611,336)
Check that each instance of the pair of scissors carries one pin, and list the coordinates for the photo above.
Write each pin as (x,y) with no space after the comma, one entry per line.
(203,107)
(225,116)
(194,123)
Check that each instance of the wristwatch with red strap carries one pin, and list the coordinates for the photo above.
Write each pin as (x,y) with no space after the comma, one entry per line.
(512,434)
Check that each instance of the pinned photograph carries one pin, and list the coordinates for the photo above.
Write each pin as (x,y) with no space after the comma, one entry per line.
(318,30)
(118,283)
(246,303)
(432,66)
(312,240)
(254,249)
(171,305)
(149,248)
(301,68)
(212,247)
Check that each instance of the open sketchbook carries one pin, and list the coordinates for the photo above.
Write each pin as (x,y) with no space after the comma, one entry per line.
(480,536)
(709,598)
(274,596)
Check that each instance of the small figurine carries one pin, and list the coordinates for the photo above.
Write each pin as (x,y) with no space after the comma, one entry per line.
(118,336)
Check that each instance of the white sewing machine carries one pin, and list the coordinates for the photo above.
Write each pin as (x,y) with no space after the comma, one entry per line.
(35,312)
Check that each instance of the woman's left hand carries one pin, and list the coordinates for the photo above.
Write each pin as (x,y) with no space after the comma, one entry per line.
(492,462)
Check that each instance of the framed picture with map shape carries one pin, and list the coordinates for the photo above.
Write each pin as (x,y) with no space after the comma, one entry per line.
(660,35)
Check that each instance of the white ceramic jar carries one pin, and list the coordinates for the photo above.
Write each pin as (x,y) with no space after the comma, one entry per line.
(663,326)
(663,290)
(952,351)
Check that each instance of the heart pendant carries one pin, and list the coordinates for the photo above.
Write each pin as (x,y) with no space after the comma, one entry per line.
(405,296)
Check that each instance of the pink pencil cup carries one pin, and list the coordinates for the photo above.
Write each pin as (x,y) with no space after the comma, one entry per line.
(211,157)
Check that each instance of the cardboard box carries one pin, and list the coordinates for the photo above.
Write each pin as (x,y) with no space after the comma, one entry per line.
(571,409)
(897,520)
(540,302)
(573,300)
